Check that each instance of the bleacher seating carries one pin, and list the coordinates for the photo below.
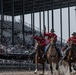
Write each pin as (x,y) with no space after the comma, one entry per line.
(7,32)
(15,53)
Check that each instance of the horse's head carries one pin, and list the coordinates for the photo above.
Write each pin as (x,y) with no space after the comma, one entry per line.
(52,41)
(71,43)
(52,48)
(38,49)
(36,46)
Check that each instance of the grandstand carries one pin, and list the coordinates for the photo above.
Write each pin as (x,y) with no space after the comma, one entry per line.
(17,53)
(16,45)
(7,32)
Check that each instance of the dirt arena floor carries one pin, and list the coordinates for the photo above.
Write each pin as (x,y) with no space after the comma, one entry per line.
(63,70)
(32,73)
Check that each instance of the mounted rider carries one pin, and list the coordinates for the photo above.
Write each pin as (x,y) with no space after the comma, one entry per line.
(66,48)
(41,41)
(49,35)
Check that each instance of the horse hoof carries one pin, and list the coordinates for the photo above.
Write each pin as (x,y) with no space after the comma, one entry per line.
(70,71)
(35,72)
(74,67)
(57,68)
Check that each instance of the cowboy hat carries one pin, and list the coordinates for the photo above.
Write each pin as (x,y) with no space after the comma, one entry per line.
(74,33)
(52,30)
(40,35)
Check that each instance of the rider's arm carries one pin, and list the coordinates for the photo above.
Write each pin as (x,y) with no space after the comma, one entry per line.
(74,43)
(69,40)
(46,34)
(37,38)
(44,43)
(48,41)
(74,40)
(55,37)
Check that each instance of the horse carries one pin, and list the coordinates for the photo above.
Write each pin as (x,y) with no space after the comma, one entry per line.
(71,55)
(38,57)
(52,55)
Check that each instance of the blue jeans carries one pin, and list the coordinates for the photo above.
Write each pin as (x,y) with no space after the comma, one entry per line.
(66,50)
(43,48)
(58,49)
(46,48)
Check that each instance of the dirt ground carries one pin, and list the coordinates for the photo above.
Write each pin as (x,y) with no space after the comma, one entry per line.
(63,70)
(21,73)
(24,73)
(32,73)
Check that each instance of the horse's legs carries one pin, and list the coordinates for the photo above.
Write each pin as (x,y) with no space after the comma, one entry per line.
(70,67)
(51,69)
(43,68)
(50,62)
(36,68)
(57,66)
(36,62)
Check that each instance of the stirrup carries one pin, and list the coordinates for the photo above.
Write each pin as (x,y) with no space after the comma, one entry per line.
(43,55)
(63,57)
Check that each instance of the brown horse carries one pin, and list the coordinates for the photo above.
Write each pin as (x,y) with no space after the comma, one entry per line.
(71,55)
(52,55)
(38,57)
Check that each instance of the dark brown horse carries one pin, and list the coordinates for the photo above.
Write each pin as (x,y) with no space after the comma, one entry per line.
(38,57)
(71,55)
(52,55)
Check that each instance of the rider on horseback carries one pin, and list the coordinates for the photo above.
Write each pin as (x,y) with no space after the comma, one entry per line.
(41,41)
(67,47)
(51,34)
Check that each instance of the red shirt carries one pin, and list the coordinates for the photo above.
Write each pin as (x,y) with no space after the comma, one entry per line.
(50,35)
(41,41)
(73,39)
